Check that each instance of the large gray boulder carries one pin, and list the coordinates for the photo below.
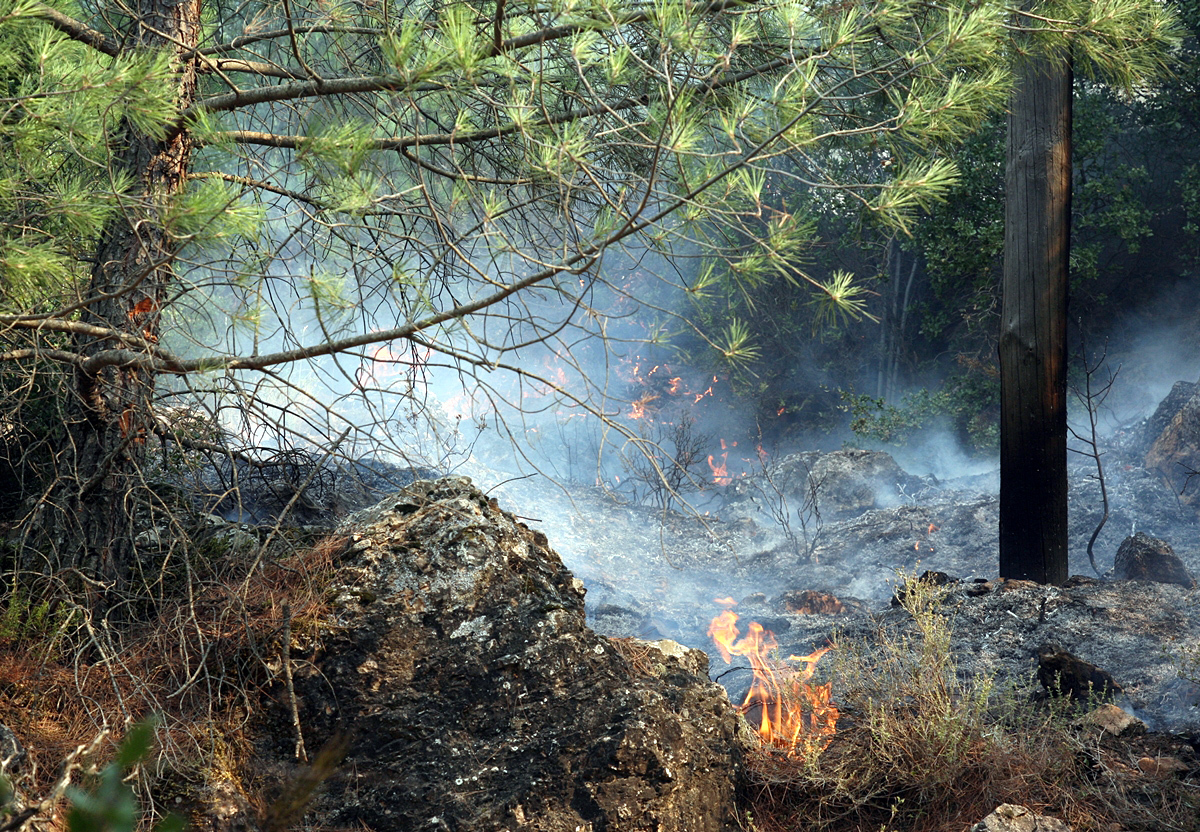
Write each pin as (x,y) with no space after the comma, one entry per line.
(1175,454)
(476,698)
(1174,402)
(829,486)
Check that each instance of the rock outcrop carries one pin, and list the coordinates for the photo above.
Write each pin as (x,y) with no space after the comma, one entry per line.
(833,486)
(476,698)
(1174,402)
(1175,454)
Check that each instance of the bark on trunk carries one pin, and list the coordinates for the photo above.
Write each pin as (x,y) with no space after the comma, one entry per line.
(90,520)
(1033,344)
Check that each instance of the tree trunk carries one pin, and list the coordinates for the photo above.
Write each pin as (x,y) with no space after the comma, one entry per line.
(1033,344)
(90,518)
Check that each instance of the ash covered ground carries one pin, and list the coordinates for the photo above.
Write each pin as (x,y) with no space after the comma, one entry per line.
(857,524)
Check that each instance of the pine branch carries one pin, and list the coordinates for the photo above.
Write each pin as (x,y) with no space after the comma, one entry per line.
(77,31)
(295,142)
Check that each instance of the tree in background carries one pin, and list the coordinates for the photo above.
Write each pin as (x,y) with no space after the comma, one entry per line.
(936,293)
(216,209)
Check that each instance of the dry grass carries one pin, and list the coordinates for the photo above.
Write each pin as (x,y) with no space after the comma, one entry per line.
(199,662)
(919,749)
(641,657)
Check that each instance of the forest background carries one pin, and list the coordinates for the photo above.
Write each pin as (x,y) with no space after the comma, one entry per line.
(800,201)
(618,239)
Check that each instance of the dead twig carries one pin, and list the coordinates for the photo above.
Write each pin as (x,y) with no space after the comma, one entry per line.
(301,754)
(1092,400)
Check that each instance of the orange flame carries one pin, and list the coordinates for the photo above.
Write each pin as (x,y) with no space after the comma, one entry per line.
(720,472)
(708,392)
(792,713)
(638,407)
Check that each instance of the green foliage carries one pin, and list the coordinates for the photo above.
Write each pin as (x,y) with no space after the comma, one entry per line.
(31,407)
(25,621)
(56,186)
(1189,191)
(109,804)
(968,404)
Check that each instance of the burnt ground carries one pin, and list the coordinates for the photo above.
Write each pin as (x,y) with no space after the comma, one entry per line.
(655,574)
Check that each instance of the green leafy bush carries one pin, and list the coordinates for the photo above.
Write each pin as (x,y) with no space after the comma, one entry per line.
(109,803)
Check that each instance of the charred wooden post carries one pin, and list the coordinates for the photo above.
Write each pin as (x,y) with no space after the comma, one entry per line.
(1033,343)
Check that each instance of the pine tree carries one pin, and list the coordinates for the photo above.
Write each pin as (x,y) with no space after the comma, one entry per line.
(215,195)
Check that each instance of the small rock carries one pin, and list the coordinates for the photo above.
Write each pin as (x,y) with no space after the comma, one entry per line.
(1113,720)
(1145,558)
(979,587)
(1160,768)
(1014,584)
(1010,818)
(694,661)
(1063,674)
(149,539)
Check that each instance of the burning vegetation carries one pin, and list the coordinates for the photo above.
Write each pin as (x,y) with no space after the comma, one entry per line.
(791,713)
(922,747)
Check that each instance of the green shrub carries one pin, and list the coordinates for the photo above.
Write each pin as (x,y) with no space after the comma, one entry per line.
(109,803)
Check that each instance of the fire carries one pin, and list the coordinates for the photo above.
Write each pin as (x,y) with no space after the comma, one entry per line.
(792,713)
(933,527)
(385,364)
(638,407)
(720,471)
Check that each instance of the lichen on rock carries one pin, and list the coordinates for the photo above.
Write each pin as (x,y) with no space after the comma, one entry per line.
(477,698)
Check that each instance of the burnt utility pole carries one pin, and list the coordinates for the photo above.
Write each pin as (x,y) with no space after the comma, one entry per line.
(1033,327)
